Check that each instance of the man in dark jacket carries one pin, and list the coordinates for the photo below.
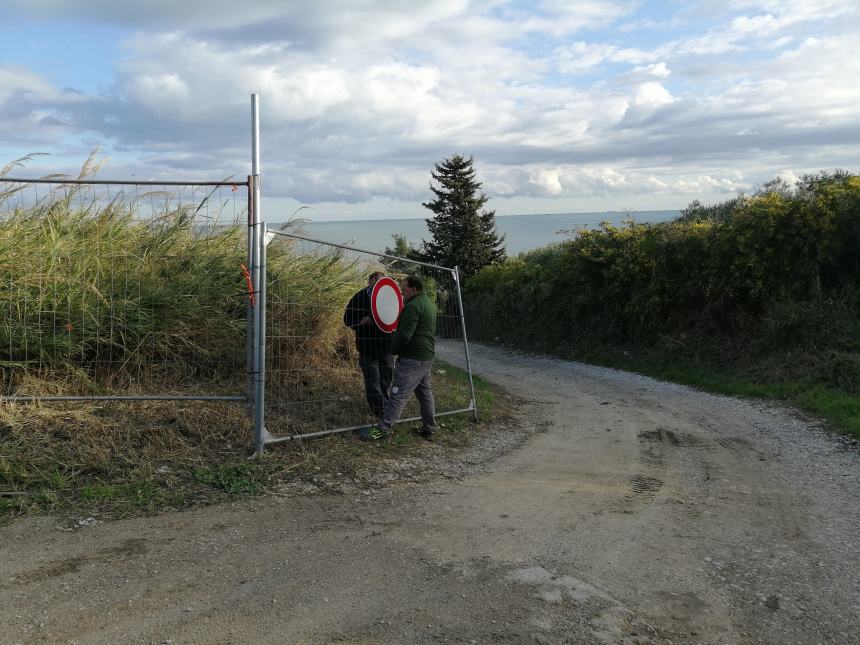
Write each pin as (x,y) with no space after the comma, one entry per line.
(414,343)
(374,347)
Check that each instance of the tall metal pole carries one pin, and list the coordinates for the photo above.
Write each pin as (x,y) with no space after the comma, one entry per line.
(259,277)
(456,275)
(249,310)
(260,433)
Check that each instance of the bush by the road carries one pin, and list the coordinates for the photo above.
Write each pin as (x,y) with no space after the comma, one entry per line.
(764,287)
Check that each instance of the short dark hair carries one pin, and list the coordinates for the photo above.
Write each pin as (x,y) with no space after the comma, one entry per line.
(415,282)
(376,274)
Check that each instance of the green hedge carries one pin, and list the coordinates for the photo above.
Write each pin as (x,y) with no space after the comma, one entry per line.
(775,273)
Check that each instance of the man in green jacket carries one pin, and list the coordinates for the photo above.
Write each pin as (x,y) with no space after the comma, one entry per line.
(414,343)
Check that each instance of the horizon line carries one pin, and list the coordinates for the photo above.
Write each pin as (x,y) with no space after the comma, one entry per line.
(422,217)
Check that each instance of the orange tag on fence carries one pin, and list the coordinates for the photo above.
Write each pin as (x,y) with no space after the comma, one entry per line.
(249,283)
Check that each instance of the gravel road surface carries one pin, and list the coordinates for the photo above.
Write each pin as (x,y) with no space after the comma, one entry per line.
(620,510)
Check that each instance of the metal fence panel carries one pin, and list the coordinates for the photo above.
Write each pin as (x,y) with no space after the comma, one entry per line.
(313,383)
(122,290)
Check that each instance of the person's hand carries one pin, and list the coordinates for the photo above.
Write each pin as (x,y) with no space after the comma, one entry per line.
(366,320)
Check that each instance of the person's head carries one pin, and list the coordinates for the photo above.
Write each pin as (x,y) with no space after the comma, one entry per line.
(373,278)
(411,286)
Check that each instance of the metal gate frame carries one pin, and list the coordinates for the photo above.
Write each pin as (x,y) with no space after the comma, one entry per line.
(262,437)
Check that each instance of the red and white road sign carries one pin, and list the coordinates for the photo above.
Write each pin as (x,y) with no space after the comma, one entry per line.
(385,304)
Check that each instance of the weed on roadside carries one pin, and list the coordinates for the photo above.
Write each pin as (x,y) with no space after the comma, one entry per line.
(123,459)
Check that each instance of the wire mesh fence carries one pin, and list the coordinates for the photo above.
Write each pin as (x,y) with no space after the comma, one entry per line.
(114,290)
(122,289)
(314,384)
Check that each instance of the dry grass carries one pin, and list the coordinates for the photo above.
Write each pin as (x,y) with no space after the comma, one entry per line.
(114,459)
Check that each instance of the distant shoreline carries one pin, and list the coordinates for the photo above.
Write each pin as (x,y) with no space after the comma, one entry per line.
(522,232)
(310,220)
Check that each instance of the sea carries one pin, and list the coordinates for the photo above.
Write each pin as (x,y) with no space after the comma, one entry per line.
(522,232)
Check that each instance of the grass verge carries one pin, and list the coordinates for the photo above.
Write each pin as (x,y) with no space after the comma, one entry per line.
(124,459)
(841,411)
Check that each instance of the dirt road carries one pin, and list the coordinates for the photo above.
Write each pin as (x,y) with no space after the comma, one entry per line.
(636,512)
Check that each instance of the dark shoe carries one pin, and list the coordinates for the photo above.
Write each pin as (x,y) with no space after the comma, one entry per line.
(427,435)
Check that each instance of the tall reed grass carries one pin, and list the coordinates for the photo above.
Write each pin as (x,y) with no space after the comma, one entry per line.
(98,298)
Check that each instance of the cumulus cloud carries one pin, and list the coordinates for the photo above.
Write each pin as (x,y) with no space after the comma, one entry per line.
(777,20)
(788,176)
(358,103)
(602,180)
(546,181)
(645,73)
(704,184)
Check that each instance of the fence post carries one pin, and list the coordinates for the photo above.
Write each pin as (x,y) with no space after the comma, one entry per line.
(259,278)
(260,433)
(249,310)
(456,274)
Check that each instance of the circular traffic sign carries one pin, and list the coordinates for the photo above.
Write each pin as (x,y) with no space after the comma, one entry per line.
(385,304)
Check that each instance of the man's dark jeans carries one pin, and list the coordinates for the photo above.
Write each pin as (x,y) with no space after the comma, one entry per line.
(377,371)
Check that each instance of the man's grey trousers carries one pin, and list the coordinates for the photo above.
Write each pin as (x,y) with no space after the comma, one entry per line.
(410,376)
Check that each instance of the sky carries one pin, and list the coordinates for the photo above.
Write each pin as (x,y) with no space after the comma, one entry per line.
(565,105)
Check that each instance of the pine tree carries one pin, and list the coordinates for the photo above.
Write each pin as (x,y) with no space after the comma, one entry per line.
(464,235)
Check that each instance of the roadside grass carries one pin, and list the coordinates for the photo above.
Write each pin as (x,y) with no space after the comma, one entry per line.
(123,459)
(840,410)
(343,456)
(246,479)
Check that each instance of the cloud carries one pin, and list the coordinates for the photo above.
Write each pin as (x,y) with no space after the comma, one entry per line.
(560,17)
(33,113)
(705,184)
(340,185)
(18,83)
(801,87)
(645,73)
(159,14)
(357,104)
(598,180)
(581,57)
(786,18)
(648,23)
(788,176)
(547,181)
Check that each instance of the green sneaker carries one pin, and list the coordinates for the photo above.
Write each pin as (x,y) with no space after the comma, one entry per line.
(370,434)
